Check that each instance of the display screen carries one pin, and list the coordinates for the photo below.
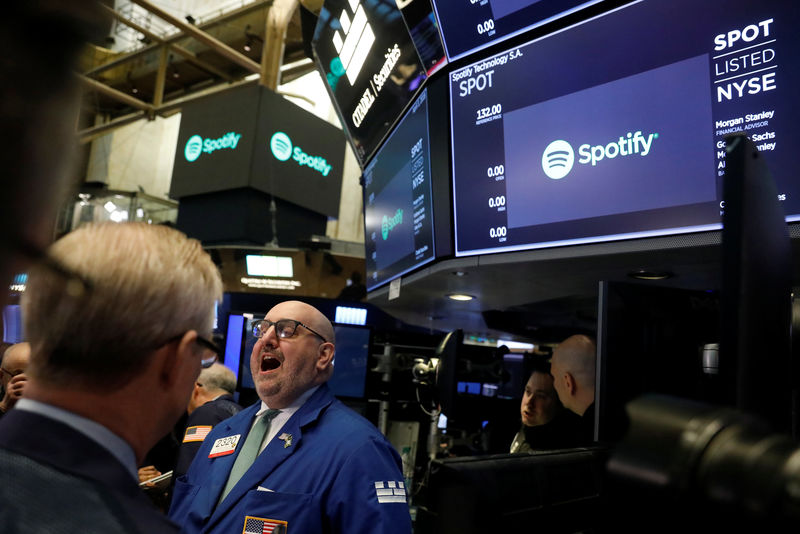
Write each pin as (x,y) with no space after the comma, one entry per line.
(470,25)
(626,141)
(372,69)
(424,31)
(398,202)
(252,137)
(350,362)
(12,324)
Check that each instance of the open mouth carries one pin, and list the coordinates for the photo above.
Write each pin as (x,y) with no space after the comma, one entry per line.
(268,363)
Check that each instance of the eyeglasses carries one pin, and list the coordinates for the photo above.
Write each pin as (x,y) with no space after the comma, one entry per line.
(284,328)
(210,345)
(203,342)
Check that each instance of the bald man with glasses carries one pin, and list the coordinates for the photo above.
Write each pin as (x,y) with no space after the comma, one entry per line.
(299,461)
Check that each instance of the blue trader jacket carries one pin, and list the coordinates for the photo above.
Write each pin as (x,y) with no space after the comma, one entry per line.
(327,471)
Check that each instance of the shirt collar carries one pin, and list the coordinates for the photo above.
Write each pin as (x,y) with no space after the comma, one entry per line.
(117,446)
(293,407)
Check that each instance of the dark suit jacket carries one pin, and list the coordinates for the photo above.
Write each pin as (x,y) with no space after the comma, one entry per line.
(55,479)
(209,414)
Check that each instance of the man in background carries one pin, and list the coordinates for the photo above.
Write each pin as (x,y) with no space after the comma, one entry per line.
(117,342)
(211,402)
(545,423)
(299,461)
(573,370)
(12,374)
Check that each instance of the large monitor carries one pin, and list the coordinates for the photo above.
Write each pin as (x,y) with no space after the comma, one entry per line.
(398,200)
(467,27)
(614,127)
(12,324)
(421,24)
(351,362)
(372,69)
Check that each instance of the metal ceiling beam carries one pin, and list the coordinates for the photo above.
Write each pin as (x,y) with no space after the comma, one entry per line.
(187,54)
(161,76)
(278,20)
(215,44)
(165,110)
(116,95)
(171,40)
(90,134)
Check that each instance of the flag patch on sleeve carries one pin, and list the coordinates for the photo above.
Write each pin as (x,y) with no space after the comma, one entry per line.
(260,525)
(196,433)
(391,491)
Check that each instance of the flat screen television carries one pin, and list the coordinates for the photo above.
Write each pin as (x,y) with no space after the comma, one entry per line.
(367,57)
(421,24)
(613,128)
(12,324)
(398,200)
(468,27)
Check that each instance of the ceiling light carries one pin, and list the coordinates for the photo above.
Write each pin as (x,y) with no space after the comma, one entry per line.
(644,274)
(460,296)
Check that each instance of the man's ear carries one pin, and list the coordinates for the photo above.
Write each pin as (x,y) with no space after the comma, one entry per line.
(176,356)
(325,357)
(569,382)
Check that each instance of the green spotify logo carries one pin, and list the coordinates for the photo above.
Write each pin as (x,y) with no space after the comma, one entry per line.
(281,146)
(196,145)
(388,223)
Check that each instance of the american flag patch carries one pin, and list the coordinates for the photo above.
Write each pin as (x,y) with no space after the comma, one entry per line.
(390,491)
(259,525)
(196,433)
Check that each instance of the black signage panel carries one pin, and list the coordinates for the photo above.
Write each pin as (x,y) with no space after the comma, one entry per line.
(215,142)
(297,156)
(371,67)
(252,137)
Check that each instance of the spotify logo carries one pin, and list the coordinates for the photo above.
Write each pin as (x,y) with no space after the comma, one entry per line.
(557,159)
(388,223)
(281,146)
(194,147)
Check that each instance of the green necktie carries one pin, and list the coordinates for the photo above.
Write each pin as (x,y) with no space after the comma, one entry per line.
(249,450)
